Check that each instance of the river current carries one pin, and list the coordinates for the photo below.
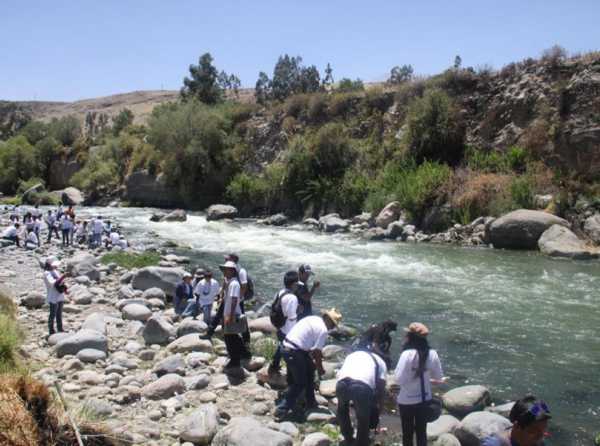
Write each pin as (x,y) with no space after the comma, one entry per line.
(516,322)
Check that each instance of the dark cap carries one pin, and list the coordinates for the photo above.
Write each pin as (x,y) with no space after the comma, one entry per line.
(528,410)
(290,278)
(233,257)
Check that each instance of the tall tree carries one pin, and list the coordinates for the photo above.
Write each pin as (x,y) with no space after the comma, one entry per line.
(121,121)
(203,82)
(328,79)
(401,74)
(262,89)
(457,62)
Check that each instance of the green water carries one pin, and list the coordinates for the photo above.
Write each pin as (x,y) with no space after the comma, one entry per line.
(514,321)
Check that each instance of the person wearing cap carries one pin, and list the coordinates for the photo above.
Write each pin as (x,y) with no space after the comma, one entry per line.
(417,368)
(244,280)
(361,381)
(236,348)
(184,293)
(55,293)
(302,352)
(12,233)
(206,290)
(97,227)
(304,293)
(51,224)
(529,417)
(289,308)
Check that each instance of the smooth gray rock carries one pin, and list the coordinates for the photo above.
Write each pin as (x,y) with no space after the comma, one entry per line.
(394,230)
(91,355)
(157,331)
(374,234)
(126,278)
(81,340)
(95,322)
(276,220)
(333,223)
(157,277)
(196,382)
(316,439)
(83,264)
(80,295)
(244,431)
(72,196)
(220,212)
(391,212)
(136,312)
(365,217)
(591,226)
(447,440)
(445,424)
(478,425)
(164,387)
(466,399)
(97,407)
(190,343)
(146,189)
(501,409)
(154,293)
(126,291)
(201,425)
(176,215)
(33,300)
(189,326)
(558,241)
(521,229)
(171,364)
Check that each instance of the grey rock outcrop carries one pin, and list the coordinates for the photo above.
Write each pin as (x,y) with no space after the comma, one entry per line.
(466,399)
(157,277)
(136,312)
(201,425)
(558,241)
(521,229)
(391,212)
(171,364)
(72,196)
(221,212)
(591,226)
(145,189)
(333,223)
(33,300)
(243,431)
(176,215)
(157,331)
(445,424)
(81,340)
(164,387)
(83,264)
(478,425)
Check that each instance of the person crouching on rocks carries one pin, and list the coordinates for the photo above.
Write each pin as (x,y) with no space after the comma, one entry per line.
(184,293)
(233,327)
(55,293)
(361,380)
(302,352)
(12,234)
(377,339)
(32,241)
(206,291)
(529,417)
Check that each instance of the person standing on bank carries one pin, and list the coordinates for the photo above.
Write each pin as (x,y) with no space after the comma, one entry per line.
(55,293)
(51,224)
(305,293)
(302,352)
(236,348)
(206,290)
(288,301)
(417,368)
(361,380)
(247,288)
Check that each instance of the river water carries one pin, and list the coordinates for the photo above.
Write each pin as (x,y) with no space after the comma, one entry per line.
(516,322)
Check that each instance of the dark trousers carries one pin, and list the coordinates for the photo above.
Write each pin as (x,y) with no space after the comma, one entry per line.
(363,398)
(246,334)
(55,313)
(302,370)
(236,349)
(413,422)
(276,363)
(65,236)
(214,323)
(50,231)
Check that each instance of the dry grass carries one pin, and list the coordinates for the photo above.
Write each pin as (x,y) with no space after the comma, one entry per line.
(476,194)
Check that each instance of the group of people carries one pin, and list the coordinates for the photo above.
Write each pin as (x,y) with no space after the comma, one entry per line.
(92,233)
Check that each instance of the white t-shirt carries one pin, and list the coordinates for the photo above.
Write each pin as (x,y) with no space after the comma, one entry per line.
(114,238)
(66,223)
(11,231)
(233,290)
(32,238)
(52,296)
(50,220)
(97,226)
(207,291)
(409,382)
(289,306)
(309,333)
(361,367)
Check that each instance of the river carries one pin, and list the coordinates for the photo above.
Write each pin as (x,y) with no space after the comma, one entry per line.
(516,322)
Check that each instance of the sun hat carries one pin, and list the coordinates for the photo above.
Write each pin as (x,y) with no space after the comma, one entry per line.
(52,261)
(200,273)
(306,269)
(417,328)
(228,264)
(187,276)
(334,315)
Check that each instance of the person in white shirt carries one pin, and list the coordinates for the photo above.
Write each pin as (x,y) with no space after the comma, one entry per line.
(302,352)
(81,232)
(55,293)
(32,241)
(417,368)
(37,227)
(12,233)
(66,224)
(236,348)
(97,228)
(246,288)
(206,290)
(361,381)
(51,225)
(289,307)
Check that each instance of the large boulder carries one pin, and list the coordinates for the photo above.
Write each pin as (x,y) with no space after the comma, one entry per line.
(189,326)
(558,241)
(190,343)
(466,399)
(171,364)
(61,172)
(391,212)
(262,324)
(157,331)
(136,312)
(276,220)
(244,431)
(591,226)
(220,212)
(142,188)
(83,264)
(447,440)
(445,424)
(95,322)
(83,339)
(333,223)
(157,277)
(164,387)
(201,425)
(72,196)
(478,425)
(33,300)
(176,215)
(521,229)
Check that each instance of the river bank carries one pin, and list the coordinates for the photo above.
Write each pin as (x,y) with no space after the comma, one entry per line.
(207,241)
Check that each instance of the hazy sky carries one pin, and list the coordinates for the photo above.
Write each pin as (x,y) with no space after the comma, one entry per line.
(68,50)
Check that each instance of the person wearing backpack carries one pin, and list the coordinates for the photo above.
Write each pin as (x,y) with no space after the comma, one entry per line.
(284,314)
(361,380)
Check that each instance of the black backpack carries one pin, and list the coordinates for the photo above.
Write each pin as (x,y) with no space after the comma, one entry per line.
(249,289)
(277,317)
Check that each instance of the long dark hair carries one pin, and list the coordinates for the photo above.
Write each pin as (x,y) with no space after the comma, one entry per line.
(420,344)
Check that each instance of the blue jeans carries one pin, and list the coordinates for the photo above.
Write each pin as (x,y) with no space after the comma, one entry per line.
(191,309)
(302,370)
(363,398)
(180,305)
(276,363)
(206,311)
(55,314)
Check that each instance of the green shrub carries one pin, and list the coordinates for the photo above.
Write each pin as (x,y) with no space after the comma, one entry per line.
(517,158)
(346,85)
(522,194)
(10,340)
(376,99)
(296,105)
(18,163)
(28,184)
(98,176)
(317,108)
(65,130)
(47,149)
(486,161)
(435,131)
(129,260)
(265,347)
(353,191)
(341,104)
(247,192)
(35,131)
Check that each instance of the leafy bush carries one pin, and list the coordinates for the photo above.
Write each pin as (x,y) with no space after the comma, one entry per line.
(376,99)
(346,85)
(46,150)
(98,176)
(10,339)
(35,131)
(120,122)
(517,158)
(522,194)
(480,194)
(317,108)
(247,192)
(129,260)
(434,129)
(296,105)
(341,104)
(65,130)
(18,162)
(28,184)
